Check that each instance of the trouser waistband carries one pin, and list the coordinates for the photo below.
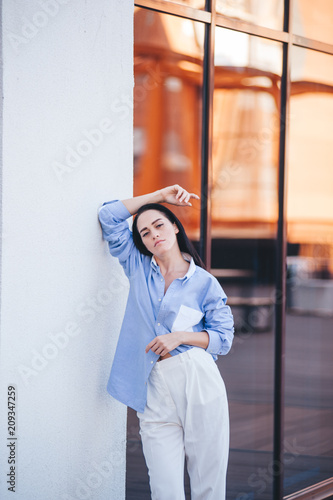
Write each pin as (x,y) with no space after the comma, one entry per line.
(183,357)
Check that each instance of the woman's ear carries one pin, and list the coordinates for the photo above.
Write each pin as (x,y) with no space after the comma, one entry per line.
(176,228)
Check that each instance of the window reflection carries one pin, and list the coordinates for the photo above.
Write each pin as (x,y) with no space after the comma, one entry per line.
(309,348)
(268,13)
(167,94)
(168,70)
(196,4)
(167,149)
(313,20)
(246,133)
(244,223)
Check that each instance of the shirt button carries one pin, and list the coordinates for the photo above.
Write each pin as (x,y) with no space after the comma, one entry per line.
(161,279)
(152,362)
(158,324)
(159,300)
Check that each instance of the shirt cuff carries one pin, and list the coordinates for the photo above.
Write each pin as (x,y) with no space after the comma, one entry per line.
(215,345)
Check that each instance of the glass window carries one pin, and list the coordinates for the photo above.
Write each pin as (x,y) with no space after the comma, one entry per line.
(313,20)
(246,132)
(196,4)
(267,13)
(244,223)
(309,325)
(168,70)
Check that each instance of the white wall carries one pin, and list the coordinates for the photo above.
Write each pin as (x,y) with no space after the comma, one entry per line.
(67,72)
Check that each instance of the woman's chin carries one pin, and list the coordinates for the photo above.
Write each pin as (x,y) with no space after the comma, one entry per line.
(160,250)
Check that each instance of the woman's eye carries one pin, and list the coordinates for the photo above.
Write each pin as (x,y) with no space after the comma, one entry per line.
(145,234)
(159,225)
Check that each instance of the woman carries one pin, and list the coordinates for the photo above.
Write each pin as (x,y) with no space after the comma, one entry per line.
(176,323)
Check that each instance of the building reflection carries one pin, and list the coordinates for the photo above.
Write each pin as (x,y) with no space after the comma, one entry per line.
(168,76)
(167,118)
(169,53)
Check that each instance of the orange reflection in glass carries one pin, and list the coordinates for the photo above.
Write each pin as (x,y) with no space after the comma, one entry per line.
(268,13)
(310,172)
(313,20)
(167,107)
(196,4)
(245,141)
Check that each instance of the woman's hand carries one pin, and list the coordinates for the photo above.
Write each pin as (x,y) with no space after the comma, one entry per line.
(176,195)
(163,344)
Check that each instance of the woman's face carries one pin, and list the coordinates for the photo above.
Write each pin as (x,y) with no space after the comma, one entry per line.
(157,232)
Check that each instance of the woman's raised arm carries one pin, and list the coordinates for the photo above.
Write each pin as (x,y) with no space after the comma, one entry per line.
(175,195)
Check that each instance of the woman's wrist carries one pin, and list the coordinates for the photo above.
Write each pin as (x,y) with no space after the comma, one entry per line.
(158,196)
(181,337)
(133,204)
(198,339)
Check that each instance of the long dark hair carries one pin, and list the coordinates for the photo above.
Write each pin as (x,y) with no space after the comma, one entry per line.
(184,243)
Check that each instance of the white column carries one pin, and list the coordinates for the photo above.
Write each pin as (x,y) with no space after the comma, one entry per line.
(66,130)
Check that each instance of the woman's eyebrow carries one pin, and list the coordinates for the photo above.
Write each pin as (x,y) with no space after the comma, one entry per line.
(147,227)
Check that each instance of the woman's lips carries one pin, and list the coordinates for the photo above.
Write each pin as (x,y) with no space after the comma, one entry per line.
(157,242)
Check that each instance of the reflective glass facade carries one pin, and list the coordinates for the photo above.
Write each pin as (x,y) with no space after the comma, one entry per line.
(244,201)
(309,370)
(228,105)
(313,20)
(197,4)
(268,13)
(168,69)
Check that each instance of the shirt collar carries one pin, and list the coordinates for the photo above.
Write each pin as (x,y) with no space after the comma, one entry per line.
(187,257)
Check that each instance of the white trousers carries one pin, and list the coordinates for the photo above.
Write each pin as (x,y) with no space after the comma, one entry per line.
(186,415)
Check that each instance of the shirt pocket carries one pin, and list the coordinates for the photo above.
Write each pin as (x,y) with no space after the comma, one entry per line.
(186,318)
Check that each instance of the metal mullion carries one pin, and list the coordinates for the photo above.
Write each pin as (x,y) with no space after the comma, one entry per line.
(308,43)
(275,35)
(318,491)
(252,29)
(206,142)
(281,258)
(175,9)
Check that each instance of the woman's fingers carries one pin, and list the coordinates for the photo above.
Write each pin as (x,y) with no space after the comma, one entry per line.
(162,344)
(150,345)
(177,195)
(184,196)
(153,345)
(157,346)
(187,196)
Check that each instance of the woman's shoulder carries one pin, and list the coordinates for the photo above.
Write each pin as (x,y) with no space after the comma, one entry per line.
(210,280)
(204,272)
(144,267)
(206,275)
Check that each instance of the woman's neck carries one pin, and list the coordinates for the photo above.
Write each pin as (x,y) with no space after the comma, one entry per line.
(172,262)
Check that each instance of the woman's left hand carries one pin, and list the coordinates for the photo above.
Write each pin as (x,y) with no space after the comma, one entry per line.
(163,344)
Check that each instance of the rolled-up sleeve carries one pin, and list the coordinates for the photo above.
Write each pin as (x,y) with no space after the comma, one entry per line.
(218,320)
(113,217)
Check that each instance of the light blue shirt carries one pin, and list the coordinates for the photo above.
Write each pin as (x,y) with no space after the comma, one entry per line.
(194,302)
